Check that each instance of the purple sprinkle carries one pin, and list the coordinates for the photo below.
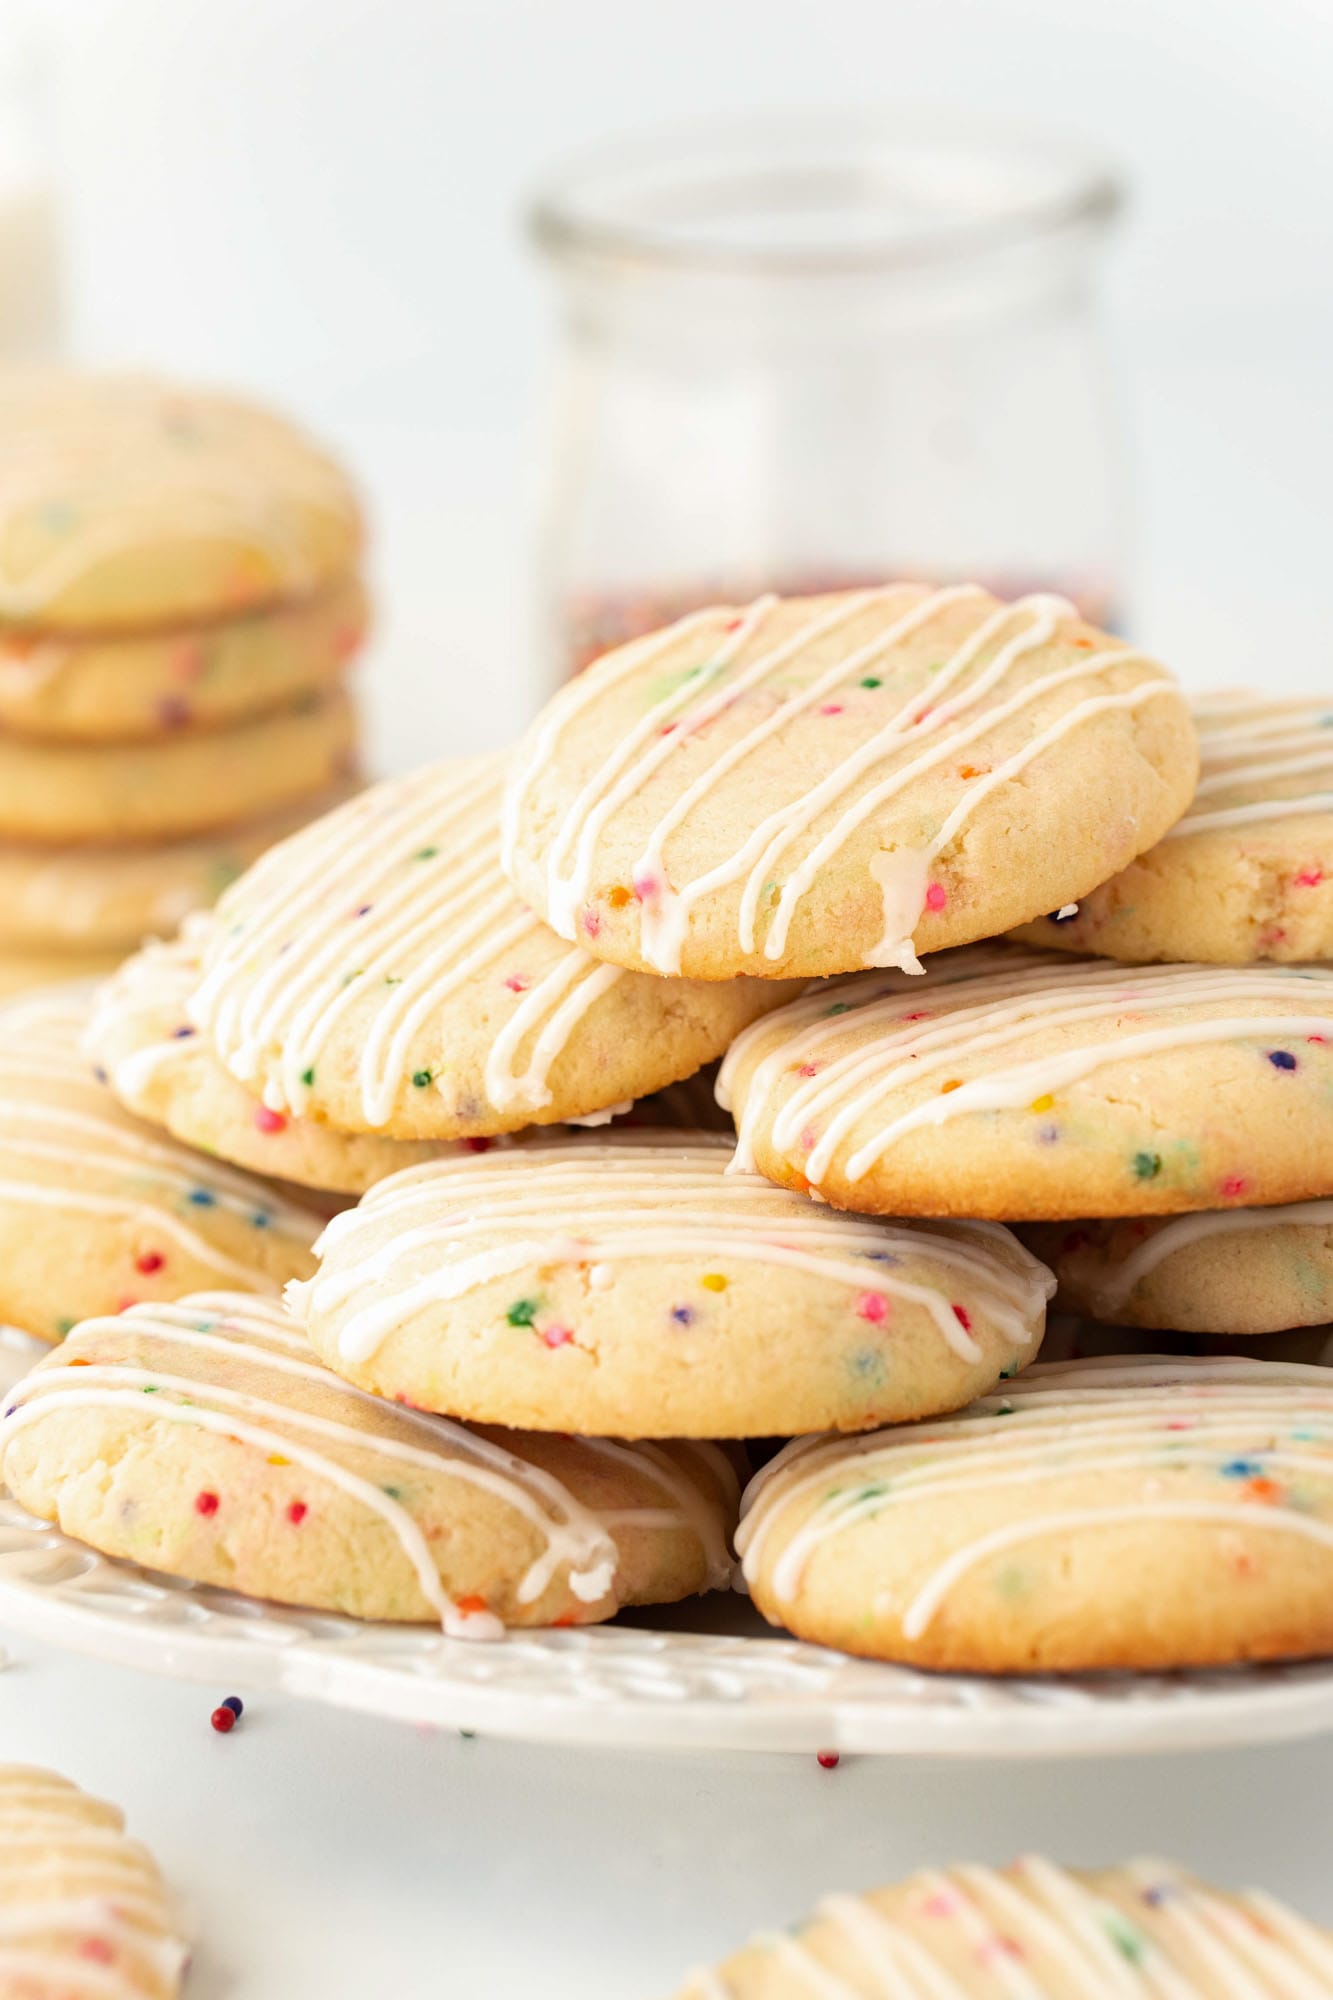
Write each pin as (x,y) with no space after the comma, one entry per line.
(99,1073)
(1282,1059)
(365,910)
(182,1034)
(683,1315)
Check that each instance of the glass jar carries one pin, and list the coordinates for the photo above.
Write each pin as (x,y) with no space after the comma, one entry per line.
(805,355)
(30,289)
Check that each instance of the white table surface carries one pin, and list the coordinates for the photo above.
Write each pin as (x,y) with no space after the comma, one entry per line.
(328,1856)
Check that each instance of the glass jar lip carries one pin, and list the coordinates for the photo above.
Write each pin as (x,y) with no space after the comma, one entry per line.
(925,190)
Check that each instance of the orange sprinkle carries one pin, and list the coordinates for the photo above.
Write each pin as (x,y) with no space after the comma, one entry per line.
(1266,1490)
(467,1605)
(618,897)
(713,1281)
(973,770)
(954,1083)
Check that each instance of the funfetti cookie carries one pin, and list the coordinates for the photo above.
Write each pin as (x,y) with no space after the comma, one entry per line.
(177,786)
(626,1282)
(1029,1086)
(22,968)
(128,503)
(108,899)
(141,1040)
(1035,1931)
(1247,874)
(84,1912)
(203,1439)
(1228,1271)
(814,785)
(97,1209)
(377,973)
(1146,1513)
(144,684)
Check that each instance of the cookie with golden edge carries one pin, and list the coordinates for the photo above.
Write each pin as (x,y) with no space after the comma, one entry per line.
(376,973)
(131,503)
(141,685)
(1143,1514)
(83,1908)
(1247,874)
(98,1209)
(1227,1271)
(808,786)
(178,786)
(626,1281)
(204,1439)
(96,899)
(1028,1086)
(23,970)
(1137,1931)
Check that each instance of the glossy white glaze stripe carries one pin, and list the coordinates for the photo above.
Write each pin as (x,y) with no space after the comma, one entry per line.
(1113,1285)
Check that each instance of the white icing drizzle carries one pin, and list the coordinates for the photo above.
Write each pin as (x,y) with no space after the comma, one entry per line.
(641,1196)
(1000,998)
(55,1114)
(70,1877)
(1056,1421)
(99,454)
(975,690)
(257,1338)
(285,966)
(1034,1931)
(1115,1281)
(1250,745)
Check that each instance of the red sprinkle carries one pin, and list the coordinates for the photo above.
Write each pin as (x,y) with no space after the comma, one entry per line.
(831,708)
(479,1145)
(269,1121)
(557,1336)
(872,1306)
(1233,1185)
(206,1503)
(960,1313)
(223,1720)
(149,1261)
(297,1512)
(936,896)
(827,1760)
(518,982)
(1309,878)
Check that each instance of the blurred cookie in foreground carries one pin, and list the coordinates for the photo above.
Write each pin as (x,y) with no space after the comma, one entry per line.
(205,1440)
(1140,1931)
(83,1908)
(1141,1514)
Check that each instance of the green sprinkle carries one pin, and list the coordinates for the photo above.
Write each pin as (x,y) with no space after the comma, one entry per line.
(421,1077)
(348,977)
(394,980)
(839,1007)
(1127,1941)
(308,1077)
(425,854)
(1147,1166)
(151,1390)
(64,1326)
(522,1313)
(874,1491)
(394,1492)
(872,681)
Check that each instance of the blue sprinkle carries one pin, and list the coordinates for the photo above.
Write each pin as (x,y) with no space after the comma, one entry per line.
(880,1257)
(202,1198)
(260,1220)
(1282,1059)
(1241,1468)
(182,1034)
(683,1315)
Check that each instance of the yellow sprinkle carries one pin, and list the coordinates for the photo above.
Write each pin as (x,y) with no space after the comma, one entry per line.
(713,1281)
(275,1459)
(1042,1103)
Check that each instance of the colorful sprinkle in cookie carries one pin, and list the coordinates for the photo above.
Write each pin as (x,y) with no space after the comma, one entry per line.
(97,1210)
(814,785)
(1247,874)
(1028,1086)
(163,1070)
(1034,1931)
(377,973)
(203,1439)
(178,786)
(109,899)
(141,685)
(128,503)
(84,1912)
(1229,1271)
(1133,1514)
(629,1283)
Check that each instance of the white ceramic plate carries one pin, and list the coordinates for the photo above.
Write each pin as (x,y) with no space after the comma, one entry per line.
(706,1676)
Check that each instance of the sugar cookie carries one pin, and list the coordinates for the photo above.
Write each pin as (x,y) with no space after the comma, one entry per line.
(203,1439)
(813,785)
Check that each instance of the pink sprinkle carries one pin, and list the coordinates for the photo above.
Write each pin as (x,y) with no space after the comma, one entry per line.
(666,729)
(1181,1424)
(940,1906)
(1233,1185)
(961,1314)
(807,1069)
(732,625)
(1317,1041)
(646,887)
(518,982)
(97,1949)
(592,923)
(809,1137)
(872,1306)
(268,1121)
(918,1016)
(1309,878)
(557,1336)
(187,660)
(149,1261)
(831,708)
(936,897)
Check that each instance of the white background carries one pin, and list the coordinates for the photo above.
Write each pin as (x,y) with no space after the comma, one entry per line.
(318,198)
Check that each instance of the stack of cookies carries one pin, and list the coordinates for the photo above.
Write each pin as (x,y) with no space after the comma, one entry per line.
(795,836)
(179,600)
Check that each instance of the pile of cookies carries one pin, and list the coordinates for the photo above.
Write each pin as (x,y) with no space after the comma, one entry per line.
(179,600)
(542,1301)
